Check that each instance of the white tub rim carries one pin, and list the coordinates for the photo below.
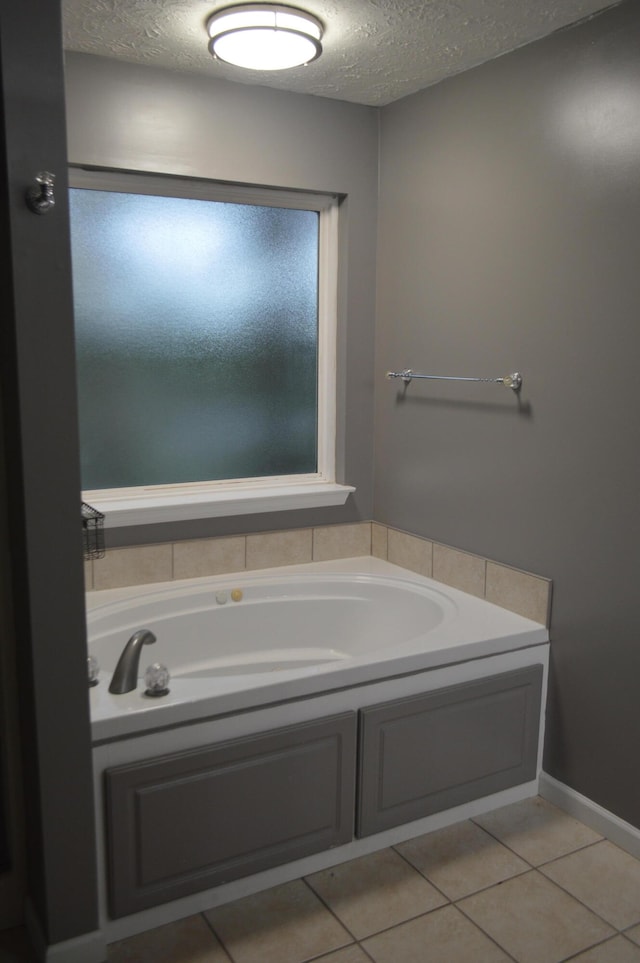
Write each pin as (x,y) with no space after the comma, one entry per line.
(483,630)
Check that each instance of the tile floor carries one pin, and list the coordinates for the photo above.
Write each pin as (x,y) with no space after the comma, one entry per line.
(525,883)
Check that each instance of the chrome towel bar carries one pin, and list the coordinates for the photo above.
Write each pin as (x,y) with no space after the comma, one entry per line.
(513,381)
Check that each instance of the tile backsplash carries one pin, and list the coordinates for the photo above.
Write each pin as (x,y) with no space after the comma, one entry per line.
(512,589)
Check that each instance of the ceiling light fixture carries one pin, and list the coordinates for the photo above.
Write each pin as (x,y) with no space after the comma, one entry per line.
(264,36)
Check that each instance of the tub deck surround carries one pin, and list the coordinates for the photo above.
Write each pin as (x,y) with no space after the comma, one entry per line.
(513,589)
(395,705)
(298,631)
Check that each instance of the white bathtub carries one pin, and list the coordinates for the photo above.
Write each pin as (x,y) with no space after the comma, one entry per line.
(297,631)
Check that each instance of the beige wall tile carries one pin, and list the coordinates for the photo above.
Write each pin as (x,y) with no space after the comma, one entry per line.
(137,565)
(341,541)
(379,540)
(88,576)
(410,552)
(459,569)
(279,548)
(520,592)
(208,556)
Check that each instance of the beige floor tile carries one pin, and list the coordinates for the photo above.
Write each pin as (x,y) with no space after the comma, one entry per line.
(634,934)
(187,941)
(287,924)
(617,950)
(462,859)
(537,830)
(444,936)
(534,920)
(374,892)
(350,954)
(605,878)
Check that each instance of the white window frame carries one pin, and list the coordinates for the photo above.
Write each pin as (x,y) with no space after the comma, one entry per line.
(240,496)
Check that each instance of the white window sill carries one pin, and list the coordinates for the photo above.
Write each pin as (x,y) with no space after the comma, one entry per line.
(147,507)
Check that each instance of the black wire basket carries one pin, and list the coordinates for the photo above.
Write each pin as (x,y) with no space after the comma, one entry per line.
(92,532)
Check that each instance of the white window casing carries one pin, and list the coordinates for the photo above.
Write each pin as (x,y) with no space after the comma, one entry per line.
(164,503)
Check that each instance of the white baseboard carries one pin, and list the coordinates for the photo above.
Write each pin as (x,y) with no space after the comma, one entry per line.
(87,948)
(621,833)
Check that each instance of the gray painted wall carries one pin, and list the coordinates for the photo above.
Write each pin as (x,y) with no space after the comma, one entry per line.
(508,240)
(140,118)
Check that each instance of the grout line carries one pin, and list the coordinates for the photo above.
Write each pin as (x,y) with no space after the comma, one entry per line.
(395,926)
(586,949)
(484,932)
(586,906)
(502,842)
(218,938)
(578,849)
(419,871)
(366,952)
(481,889)
(327,907)
(392,926)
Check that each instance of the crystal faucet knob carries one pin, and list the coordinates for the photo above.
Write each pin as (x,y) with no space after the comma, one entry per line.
(156,680)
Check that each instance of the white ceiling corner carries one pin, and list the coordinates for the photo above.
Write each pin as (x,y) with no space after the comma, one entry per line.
(375,51)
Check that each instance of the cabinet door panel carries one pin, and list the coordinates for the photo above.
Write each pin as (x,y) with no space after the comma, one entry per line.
(196,819)
(428,753)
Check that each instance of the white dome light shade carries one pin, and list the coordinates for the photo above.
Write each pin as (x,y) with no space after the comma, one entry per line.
(264,36)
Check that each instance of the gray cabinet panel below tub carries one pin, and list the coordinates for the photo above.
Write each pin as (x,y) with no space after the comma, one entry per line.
(189,821)
(427,753)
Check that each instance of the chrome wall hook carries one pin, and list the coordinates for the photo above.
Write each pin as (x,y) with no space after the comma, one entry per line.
(40,197)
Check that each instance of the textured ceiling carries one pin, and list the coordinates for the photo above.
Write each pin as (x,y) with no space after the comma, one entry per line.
(375,51)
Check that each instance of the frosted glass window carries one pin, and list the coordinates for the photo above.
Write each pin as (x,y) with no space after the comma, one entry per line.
(197,338)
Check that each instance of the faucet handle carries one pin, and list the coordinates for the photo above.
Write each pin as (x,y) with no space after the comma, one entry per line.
(156,679)
(92,670)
